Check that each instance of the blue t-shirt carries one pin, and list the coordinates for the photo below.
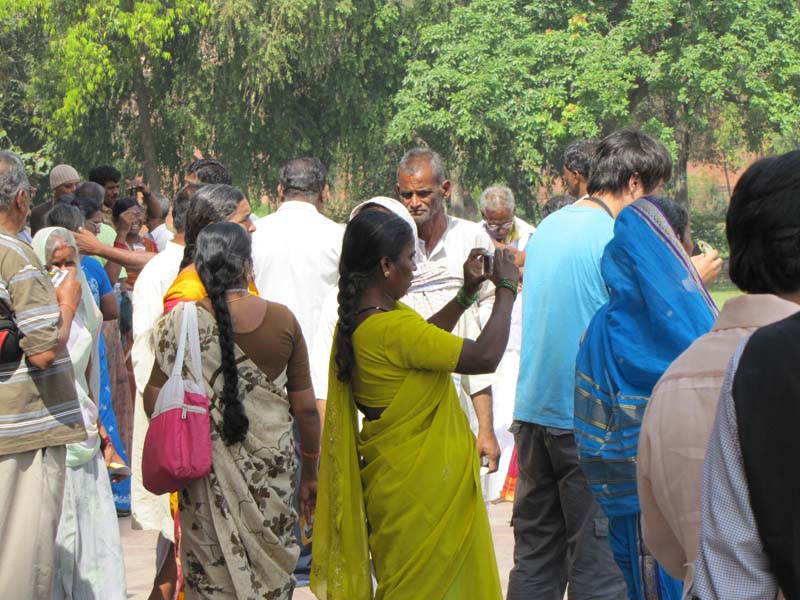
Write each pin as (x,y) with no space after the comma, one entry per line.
(96,277)
(562,289)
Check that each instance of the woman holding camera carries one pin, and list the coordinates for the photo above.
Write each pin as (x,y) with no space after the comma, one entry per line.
(405,489)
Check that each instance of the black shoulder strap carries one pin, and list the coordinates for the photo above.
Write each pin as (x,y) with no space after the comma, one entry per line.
(600,203)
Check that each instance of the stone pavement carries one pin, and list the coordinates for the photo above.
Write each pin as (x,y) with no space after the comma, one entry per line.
(139,550)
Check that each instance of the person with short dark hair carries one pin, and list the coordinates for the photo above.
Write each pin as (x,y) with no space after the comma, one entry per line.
(575,164)
(255,367)
(207,170)
(296,257)
(557,202)
(559,529)
(109,178)
(747,544)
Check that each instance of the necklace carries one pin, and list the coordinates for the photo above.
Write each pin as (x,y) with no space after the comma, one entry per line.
(363,310)
(232,300)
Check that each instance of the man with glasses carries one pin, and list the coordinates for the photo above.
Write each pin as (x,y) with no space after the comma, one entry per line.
(508,232)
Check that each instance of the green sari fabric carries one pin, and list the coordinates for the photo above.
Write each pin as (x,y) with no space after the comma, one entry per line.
(406,488)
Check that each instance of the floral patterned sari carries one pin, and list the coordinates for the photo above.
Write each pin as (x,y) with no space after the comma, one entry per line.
(237,539)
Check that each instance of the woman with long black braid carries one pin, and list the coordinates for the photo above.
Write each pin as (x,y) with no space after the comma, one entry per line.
(405,490)
(237,524)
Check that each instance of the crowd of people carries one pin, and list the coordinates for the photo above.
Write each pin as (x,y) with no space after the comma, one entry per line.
(374,386)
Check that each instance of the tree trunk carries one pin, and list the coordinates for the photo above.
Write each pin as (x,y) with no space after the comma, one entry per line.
(457,192)
(457,188)
(151,173)
(682,170)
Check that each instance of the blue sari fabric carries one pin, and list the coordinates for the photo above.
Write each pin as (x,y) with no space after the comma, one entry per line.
(121,489)
(657,307)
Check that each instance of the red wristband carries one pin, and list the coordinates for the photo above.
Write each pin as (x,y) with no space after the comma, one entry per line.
(122,245)
(311,455)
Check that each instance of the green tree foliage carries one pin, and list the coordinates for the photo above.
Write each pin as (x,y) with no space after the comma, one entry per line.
(498,86)
(504,85)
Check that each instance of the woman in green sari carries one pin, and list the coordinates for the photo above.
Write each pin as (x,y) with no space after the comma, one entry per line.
(405,490)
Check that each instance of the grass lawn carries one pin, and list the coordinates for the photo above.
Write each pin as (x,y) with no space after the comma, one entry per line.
(723,290)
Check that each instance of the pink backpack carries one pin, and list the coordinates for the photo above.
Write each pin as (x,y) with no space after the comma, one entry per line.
(177,447)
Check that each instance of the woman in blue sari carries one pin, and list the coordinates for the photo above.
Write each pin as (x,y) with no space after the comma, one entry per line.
(657,307)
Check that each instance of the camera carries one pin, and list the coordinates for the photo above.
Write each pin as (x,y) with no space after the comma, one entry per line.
(488,264)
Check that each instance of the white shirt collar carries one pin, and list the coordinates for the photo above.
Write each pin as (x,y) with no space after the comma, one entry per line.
(297,205)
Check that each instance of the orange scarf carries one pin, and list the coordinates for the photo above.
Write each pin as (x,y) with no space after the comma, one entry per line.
(188,287)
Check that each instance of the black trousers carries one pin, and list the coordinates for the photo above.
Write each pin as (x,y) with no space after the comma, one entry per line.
(560,532)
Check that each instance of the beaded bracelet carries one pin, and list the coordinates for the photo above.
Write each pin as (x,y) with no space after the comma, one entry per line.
(464,300)
(508,284)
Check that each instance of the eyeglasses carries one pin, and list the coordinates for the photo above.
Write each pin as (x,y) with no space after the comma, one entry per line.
(498,226)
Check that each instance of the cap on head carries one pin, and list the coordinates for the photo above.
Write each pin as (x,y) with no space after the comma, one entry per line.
(62,174)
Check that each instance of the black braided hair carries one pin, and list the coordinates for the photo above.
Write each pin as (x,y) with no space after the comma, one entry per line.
(370,236)
(222,258)
(763,226)
(210,204)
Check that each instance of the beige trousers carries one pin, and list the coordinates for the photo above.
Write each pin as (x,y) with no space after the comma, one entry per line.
(30,506)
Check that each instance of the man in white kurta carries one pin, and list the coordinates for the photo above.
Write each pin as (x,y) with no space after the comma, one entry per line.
(512,233)
(444,244)
(296,261)
(296,249)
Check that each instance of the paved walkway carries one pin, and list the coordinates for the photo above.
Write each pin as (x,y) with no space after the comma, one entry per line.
(139,550)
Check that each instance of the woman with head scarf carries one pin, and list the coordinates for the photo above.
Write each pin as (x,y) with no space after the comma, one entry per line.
(88,560)
(658,305)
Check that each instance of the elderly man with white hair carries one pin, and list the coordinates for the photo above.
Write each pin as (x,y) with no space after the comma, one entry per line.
(512,233)
(507,230)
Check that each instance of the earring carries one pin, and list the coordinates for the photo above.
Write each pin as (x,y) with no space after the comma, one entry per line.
(386,274)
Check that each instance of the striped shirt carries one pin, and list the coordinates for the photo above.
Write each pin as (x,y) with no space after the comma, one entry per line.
(38,408)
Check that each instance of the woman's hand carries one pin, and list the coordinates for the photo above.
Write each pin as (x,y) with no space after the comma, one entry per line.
(473,271)
(308,492)
(708,266)
(110,455)
(505,267)
(69,291)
